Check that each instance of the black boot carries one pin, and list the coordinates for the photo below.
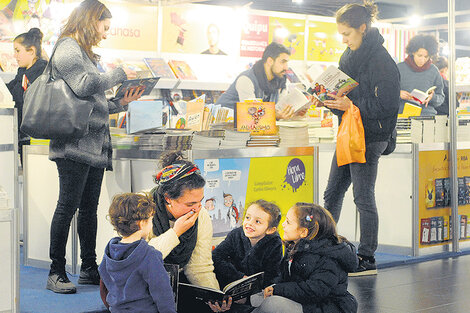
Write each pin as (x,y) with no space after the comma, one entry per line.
(89,275)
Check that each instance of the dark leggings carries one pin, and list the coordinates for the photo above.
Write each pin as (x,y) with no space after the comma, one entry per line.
(80,187)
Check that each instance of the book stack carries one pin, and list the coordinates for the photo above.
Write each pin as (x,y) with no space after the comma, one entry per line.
(463,130)
(200,142)
(403,130)
(177,139)
(293,134)
(234,140)
(263,141)
(152,141)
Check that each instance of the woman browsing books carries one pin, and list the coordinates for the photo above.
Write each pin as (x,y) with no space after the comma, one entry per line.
(419,75)
(377,97)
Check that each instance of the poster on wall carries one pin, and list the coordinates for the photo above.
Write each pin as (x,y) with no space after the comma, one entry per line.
(254,36)
(289,32)
(200,29)
(130,25)
(435,222)
(232,184)
(324,42)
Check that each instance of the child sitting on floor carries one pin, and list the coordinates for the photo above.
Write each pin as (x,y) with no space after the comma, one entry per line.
(131,270)
(314,270)
(254,247)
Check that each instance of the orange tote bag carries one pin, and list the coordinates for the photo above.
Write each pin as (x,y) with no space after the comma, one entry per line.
(350,142)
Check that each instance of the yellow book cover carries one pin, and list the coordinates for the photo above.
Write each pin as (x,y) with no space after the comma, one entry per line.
(410,110)
(258,118)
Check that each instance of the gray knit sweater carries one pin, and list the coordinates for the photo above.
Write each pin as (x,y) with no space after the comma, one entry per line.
(71,63)
(422,81)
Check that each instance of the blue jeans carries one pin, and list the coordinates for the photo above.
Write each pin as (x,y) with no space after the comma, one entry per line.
(363,177)
(278,304)
(79,187)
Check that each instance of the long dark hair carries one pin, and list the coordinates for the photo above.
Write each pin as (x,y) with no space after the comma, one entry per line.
(354,15)
(81,25)
(175,188)
(317,220)
(32,38)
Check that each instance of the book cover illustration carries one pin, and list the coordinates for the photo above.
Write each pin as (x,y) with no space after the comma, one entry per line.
(425,230)
(258,118)
(440,192)
(447,193)
(147,83)
(195,113)
(430,194)
(182,70)
(159,68)
(467,191)
(433,233)
(462,191)
(332,81)
(440,229)
(463,226)
(239,289)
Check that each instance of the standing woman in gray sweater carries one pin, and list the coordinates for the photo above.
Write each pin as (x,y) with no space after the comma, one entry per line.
(81,162)
(418,72)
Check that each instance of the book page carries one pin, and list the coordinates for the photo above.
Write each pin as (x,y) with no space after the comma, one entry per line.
(244,287)
(332,81)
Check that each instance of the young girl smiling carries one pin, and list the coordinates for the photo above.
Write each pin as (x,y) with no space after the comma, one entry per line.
(314,270)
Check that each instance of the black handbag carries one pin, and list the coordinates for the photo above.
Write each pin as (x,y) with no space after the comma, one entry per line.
(51,110)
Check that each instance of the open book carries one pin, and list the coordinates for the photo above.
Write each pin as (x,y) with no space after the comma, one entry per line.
(294,97)
(238,289)
(420,96)
(332,81)
(146,83)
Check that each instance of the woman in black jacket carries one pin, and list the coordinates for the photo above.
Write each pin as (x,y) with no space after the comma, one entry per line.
(28,50)
(378,98)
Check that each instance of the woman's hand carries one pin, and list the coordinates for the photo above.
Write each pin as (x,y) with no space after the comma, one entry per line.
(216,307)
(268,291)
(131,94)
(338,103)
(185,222)
(286,113)
(429,97)
(405,95)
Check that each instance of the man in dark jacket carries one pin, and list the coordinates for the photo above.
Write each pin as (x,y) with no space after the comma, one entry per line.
(265,80)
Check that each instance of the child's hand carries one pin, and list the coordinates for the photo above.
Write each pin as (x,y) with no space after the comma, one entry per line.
(268,291)
(185,222)
(216,307)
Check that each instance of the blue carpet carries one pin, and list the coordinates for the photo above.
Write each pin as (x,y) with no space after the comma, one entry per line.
(34,297)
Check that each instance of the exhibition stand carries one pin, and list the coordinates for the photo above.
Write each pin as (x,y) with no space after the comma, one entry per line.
(9,226)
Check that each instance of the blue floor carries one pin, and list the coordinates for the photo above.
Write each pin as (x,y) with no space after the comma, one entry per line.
(34,297)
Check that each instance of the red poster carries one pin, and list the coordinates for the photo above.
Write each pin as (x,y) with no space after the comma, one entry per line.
(255,36)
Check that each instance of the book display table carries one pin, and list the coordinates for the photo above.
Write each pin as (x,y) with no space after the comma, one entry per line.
(234,178)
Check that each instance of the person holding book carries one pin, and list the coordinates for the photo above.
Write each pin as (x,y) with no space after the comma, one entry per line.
(81,162)
(315,266)
(377,96)
(28,54)
(131,270)
(182,228)
(265,80)
(254,247)
(418,72)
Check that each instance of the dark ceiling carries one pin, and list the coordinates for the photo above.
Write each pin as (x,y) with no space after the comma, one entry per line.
(388,9)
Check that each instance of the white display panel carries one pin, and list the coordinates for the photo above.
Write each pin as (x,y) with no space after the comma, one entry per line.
(6,260)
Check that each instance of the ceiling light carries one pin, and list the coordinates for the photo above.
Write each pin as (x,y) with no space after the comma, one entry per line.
(297,1)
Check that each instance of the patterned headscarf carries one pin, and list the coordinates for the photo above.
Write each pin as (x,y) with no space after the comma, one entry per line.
(175,172)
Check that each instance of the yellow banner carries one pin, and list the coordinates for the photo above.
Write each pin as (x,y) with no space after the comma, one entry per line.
(290,32)
(324,42)
(435,194)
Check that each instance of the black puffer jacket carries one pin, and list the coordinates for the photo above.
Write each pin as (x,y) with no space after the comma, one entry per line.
(317,276)
(235,257)
(378,93)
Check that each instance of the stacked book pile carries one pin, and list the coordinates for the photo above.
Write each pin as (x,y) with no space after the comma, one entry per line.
(200,142)
(293,134)
(403,130)
(263,141)
(177,139)
(234,139)
(463,130)
(152,141)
